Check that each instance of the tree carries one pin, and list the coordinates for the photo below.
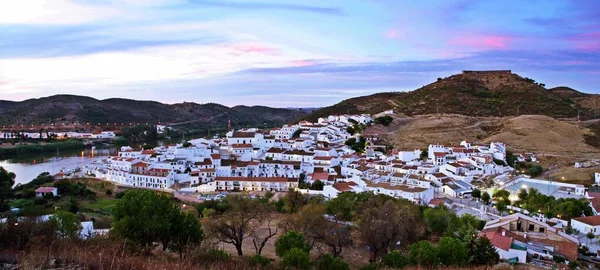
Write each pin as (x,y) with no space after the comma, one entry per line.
(297,258)
(146,217)
(289,241)
(590,236)
(293,201)
(452,251)
(395,260)
(535,170)
(423,254)
(384,120)
(485,198)
(7,180)
(501,206)
(317,229)
(237,224)
(501,195)
(262,235)
(67,224)
(385,223)
(523,194)
(476,193)
(73,205)
(480,251)
(185,231)
(329,262)
(440,220)
(317,185)
(296,134)
(350,130)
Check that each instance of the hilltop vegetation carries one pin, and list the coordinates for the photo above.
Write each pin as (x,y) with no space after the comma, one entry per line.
(70,108)
(488,94)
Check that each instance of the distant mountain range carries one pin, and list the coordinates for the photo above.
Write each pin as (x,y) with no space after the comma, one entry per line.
(475,93)
(70,108)
(471,93)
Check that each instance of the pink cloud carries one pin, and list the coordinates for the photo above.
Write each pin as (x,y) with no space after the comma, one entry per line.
(482,42)
(303,63)
(394,33)
(251,47)
(574,62)
(587,41)
(255,48)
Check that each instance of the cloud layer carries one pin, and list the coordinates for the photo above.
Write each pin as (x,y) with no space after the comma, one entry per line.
(285,53)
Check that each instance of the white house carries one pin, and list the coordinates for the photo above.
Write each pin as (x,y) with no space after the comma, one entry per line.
(587,224)
(40,192)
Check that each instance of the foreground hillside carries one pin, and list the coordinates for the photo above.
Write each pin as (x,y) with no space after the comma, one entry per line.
(477,94)
(69,108)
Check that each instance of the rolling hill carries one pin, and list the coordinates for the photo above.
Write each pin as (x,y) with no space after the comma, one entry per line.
(475,93)
(70,108)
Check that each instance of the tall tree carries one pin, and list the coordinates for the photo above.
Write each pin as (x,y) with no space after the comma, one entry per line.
(185,231)
(146,217)
(384,224)
(267,230)
(237,224)
(318,230)
(7,180)
(67,224)
(291,240)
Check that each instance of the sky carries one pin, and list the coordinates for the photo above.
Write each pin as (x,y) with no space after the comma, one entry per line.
(286,53)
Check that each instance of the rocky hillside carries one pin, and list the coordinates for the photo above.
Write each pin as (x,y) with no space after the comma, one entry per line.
(475,94)
(69,108)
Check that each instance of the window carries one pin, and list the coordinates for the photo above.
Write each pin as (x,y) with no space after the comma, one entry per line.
(531,227)
(542,230)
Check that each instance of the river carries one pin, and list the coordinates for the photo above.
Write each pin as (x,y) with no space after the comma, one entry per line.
(28,168)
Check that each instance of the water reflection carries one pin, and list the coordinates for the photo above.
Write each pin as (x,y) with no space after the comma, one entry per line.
(28,167)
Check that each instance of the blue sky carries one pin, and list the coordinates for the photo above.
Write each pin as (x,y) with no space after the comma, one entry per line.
(286,53)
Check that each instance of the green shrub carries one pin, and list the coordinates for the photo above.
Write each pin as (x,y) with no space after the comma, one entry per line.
(328,262)
(371,266)
(289,241)
(395,260)
(258,260)
(297,258)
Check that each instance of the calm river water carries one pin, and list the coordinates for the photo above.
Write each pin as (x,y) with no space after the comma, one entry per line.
(27,168)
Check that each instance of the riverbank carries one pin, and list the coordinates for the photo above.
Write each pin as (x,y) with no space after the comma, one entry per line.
(39,148)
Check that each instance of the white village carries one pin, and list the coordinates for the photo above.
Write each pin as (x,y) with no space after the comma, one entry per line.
(324,159)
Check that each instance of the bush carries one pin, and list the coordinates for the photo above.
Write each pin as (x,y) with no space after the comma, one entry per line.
(290,240)
(384,120)
(297,258)
(328,262)
(573,264)
(258,260)
(211,255)
(452,251)
(40,201)
(28,194)
(423,254)
(558,259)
(395,260)
(120,195)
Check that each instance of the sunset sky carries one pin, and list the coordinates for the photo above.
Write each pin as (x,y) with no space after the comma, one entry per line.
(286,53)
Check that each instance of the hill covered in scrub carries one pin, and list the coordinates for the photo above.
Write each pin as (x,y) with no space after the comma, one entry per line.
(80,109)
(475,93)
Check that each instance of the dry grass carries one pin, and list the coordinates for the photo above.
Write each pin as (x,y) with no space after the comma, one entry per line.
(554,141)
